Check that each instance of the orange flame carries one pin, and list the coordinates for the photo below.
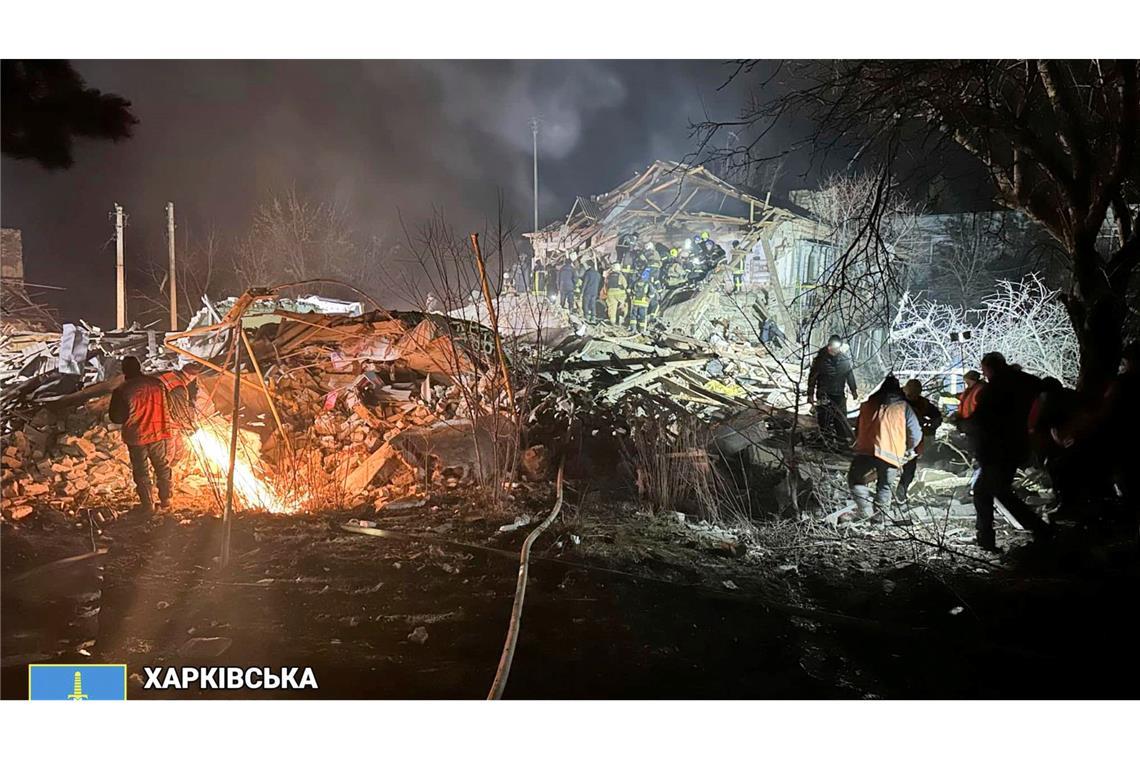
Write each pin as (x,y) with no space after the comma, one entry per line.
(211,443)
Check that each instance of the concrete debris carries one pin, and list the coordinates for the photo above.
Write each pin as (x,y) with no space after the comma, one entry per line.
(369,405)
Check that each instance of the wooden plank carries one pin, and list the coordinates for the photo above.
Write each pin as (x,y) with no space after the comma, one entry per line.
(362,476)
(682,206)
(647,377)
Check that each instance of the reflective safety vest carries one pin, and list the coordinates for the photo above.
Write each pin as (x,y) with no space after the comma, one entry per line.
(882,431)
(969,403)
(641,293)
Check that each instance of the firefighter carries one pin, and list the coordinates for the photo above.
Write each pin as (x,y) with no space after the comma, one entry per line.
(616,286)
(930,418)
(830,372)
(538,277)
(674,271)
(653,267)
(1003,446)
(139,405)
(887,433)
(740,259)
(591,287)
(624,244)
(642,293)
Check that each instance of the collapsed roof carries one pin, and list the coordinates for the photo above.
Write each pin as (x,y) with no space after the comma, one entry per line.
(659,204)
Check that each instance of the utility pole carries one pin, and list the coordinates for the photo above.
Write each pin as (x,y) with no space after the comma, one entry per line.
(173,276)
(120,281)
(227,514)
(534,134)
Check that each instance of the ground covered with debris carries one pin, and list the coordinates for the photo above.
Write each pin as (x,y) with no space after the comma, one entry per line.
(621,604)
(389,466)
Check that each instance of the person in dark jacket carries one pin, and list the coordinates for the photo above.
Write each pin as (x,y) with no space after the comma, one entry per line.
(139,405)
(591,288)
(566,281)
(1003,445)
(831,371)
(929,418)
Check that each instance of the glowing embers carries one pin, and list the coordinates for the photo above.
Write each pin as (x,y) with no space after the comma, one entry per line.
(211,444)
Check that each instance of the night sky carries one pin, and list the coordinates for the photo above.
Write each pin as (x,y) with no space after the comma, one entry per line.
(383,138)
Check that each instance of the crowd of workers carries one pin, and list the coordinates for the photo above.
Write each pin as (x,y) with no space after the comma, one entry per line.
(630,289)
(1086,443)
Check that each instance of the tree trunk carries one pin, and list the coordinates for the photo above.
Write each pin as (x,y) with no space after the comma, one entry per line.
(1096,308)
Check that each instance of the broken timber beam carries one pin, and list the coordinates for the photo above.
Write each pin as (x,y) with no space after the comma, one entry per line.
(649,376)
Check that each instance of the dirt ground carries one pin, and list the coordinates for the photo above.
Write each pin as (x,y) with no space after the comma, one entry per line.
(620,605)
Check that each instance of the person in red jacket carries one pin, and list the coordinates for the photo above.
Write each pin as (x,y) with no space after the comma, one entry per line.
(139,405)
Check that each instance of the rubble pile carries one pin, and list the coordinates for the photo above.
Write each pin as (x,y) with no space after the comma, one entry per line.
(349,392)
(63,460)
(711,379)
(367,404)
(41,367)
(343,408)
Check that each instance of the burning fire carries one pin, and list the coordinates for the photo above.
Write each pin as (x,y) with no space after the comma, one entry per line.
(211,443)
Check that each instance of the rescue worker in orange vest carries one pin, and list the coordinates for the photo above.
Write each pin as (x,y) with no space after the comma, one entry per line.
(968,400)
(616,285)
(887,433)
(930,418)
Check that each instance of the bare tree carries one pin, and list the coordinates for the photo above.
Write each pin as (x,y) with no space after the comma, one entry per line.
(869,228)
(1024,320)
(199,272)
(1057,139)
(292,238)
(967,253)
(444,280)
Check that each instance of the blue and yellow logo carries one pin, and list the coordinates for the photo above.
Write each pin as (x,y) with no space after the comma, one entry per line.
(77,683)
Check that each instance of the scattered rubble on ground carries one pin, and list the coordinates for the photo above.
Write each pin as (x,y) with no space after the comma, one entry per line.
(346,408)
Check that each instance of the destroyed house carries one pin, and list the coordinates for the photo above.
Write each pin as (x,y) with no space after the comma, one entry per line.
(670,202)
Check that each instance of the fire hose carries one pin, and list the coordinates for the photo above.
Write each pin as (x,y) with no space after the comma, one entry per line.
(504,670)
